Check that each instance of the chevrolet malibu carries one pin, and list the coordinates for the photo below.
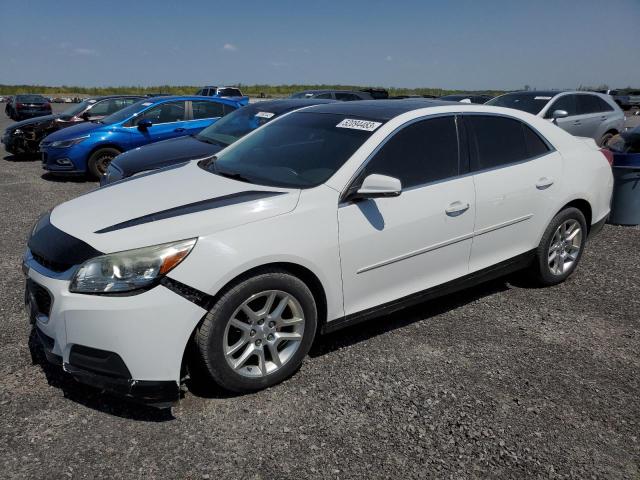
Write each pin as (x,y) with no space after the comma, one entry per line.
(227,268)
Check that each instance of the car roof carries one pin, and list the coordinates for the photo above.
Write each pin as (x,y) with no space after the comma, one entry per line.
(166,98)
(282,105)
(105,97)
(379,109)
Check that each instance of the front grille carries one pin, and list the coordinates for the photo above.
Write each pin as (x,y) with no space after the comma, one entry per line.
(41,297)
(50,264)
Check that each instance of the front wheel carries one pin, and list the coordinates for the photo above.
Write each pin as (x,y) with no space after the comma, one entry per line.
(99,161)
(606,138)
(258,332)
(560,248)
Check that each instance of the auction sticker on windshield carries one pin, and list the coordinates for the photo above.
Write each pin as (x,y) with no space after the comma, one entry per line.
(264,114)
(366,125)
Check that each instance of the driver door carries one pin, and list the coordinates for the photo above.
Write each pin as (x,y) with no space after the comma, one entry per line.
(391,248)
(168,120)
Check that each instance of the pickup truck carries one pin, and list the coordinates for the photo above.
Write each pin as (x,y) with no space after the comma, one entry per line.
(231,93)
(625,100)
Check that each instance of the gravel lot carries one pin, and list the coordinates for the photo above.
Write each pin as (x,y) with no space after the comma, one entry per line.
(501,381)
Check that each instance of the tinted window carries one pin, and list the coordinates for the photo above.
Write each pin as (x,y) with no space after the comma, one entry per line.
(232,127)
(495,141)
(30,99)
(164,113)
(345,97)
(203,109)
(229,92)
(567,103)
(324,95)
(300,150)
(227,109)
(420,153)
(535,145)
(592,104)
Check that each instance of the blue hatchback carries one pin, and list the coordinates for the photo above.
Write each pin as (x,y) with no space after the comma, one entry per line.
(90,147)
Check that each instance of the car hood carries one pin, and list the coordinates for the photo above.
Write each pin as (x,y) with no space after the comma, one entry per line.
(33,121)
(161,154)
(74,131)
(179,202)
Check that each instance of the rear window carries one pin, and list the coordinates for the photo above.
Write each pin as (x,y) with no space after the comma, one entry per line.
(526,102)
(204,109)
(229,92)
(30,99)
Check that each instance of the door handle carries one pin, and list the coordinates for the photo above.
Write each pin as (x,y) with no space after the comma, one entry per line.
(577,122)
(179,129)
(456,208)
(544,183)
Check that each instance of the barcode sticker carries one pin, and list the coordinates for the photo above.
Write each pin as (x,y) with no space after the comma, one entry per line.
(354,124)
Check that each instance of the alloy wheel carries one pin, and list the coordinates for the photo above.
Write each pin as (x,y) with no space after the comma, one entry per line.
(263,333)
(565,247)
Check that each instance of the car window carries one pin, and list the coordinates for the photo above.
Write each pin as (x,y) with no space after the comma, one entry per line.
(164,113)
(345,97)
(204,109)
(588,104)
(229,92)
(324,95)
(423,152)
(535,145)
(100,109)
(300,150)
(527,101)
(495,141)
(567,103)
(227,109)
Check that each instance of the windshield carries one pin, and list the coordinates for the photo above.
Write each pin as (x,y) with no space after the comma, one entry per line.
(300,150)
(527,102)
(127,112)
(236,125)
(77,108)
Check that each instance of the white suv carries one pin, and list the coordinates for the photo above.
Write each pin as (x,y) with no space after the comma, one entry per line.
(228,267)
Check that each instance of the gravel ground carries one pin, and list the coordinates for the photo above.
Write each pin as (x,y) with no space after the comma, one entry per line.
(501,381)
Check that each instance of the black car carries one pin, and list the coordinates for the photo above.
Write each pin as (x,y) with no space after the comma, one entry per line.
(24,137)
(467,98)
(343,95)
(27,106)
(208,142)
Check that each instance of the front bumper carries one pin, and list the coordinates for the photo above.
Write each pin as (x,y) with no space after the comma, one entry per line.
(129,345)
(59,160)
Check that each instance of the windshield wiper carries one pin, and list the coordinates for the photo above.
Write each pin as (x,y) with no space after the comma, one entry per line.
(208,140)
(233,175)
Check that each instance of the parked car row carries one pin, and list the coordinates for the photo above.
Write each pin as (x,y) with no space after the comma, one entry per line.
(293,219)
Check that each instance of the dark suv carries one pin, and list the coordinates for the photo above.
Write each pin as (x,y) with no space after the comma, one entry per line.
(24,137)
(27,106)
(343,95)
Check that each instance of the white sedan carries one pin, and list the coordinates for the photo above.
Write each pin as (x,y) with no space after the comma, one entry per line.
(228,267)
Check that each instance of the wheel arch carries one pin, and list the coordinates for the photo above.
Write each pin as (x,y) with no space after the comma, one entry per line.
(584,206)
(309,278)
(100,146)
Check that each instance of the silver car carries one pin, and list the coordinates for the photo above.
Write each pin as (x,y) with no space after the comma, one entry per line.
(583,114)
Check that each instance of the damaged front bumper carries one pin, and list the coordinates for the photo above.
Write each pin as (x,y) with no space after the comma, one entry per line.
(131,346)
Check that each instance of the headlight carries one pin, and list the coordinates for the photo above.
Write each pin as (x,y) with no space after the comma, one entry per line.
(68,143)
(129,270)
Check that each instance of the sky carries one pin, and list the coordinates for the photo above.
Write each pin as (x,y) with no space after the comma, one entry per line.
(455,44)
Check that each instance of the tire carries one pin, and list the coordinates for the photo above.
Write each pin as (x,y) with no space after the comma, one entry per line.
(548,269)
(606,138)
(240,369)
(99,161)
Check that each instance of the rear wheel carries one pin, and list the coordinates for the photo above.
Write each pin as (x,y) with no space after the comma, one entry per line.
(560,248)
(606,138)
(99,161)
(258,333)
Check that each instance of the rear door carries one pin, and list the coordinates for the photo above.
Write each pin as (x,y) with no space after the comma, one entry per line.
(203,114)
(394,247)
(516,175)
(168,121)
(591,115)
(573,122)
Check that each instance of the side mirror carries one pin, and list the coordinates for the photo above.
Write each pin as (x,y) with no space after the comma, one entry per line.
(86,116)
(378,186)
(559,114)
(144,124)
